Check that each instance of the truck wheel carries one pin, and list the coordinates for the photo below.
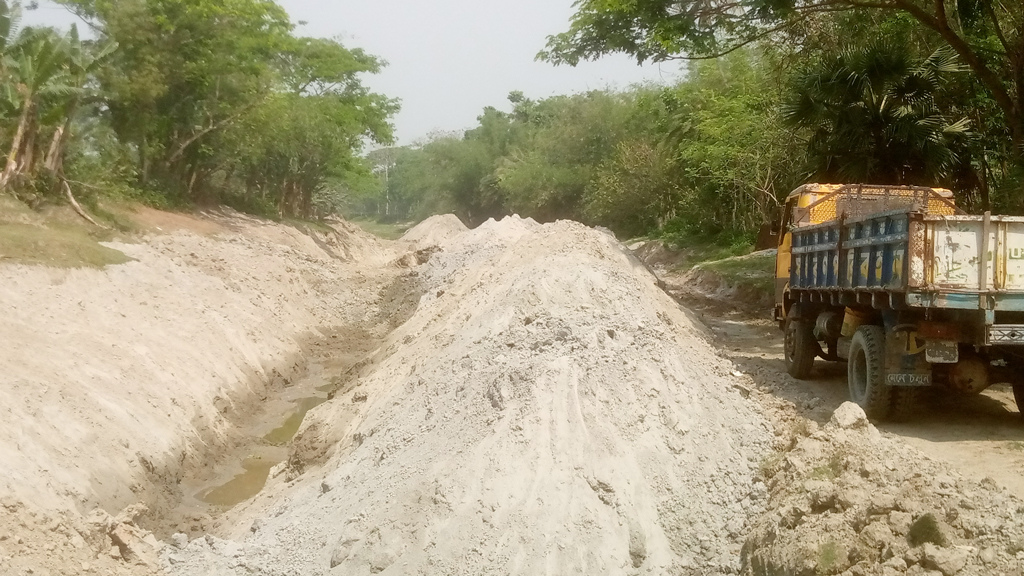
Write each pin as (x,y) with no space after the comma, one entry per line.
(866,372)
(800,348)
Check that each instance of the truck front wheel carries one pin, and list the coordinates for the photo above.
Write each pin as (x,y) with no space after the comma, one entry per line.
(800,348)
(866,372)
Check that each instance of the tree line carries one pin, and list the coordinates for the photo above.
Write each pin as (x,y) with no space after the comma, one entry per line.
(187,101)
(774,94)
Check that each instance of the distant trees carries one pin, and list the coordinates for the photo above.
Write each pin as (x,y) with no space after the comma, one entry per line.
(984,37)
(707,156)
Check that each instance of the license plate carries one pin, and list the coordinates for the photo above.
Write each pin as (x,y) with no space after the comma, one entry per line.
(941,352)
(908,379)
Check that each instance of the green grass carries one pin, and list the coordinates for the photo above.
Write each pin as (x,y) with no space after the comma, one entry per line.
(57,246)
(830,470)
(828,558)
(755,272)
(698,248)
(56,236)
(382,230)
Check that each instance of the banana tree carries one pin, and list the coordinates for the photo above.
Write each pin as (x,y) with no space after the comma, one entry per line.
(42,75)
(83,63)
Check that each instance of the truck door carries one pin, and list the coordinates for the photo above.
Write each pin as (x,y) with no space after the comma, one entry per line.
(783,259)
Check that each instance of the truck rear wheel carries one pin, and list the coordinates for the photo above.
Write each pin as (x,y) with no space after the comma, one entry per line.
(866,372)
(800,348)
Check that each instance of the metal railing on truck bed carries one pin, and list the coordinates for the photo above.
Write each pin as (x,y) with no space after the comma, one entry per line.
(853,201)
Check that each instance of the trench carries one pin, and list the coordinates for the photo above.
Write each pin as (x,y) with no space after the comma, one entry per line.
(264,456)
(263,436)
(232,477)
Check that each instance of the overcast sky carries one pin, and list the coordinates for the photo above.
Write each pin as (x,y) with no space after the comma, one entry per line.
(448,59)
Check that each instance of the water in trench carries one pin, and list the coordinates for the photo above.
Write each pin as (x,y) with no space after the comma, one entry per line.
(267,454)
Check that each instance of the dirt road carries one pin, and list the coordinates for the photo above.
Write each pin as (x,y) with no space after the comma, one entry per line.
(981,436)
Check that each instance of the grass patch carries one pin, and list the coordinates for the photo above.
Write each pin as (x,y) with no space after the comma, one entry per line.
(829,559)
(770,465)
(58,246)
(755,272)
(56,236)
(382,230)
(829,470)
(1016,445)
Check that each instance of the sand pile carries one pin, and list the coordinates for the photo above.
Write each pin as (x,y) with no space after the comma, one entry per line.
(546,409)
(434,231)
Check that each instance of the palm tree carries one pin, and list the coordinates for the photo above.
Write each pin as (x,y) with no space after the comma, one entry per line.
(872,116)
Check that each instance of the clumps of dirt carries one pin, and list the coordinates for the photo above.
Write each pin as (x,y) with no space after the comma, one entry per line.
(434,231)
(657,254)
(545,409)
(58,543)
(845,500)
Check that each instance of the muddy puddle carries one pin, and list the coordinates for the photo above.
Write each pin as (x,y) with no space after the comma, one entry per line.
(267,450)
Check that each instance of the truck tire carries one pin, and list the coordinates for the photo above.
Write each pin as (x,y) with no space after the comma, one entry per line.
(866,372)
(800,348)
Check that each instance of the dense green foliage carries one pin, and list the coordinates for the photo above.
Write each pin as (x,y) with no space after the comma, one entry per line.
(776,94)
(189,101)
(701,156)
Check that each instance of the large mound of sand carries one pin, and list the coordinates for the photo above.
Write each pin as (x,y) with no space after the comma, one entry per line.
(435,231)
(547,409)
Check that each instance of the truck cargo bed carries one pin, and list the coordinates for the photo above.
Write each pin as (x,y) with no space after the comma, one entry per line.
(914,259)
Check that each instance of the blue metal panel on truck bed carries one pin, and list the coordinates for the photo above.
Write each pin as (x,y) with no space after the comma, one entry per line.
(933,261)
(862,254)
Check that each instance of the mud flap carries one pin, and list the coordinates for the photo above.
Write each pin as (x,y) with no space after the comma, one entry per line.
(905,361)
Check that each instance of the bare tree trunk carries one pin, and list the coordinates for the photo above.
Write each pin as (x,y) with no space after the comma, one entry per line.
(12,156)
(50,163)
(144,161)
(75,205)
(28,162)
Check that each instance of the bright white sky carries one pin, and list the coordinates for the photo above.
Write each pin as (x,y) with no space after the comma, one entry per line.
(448,59)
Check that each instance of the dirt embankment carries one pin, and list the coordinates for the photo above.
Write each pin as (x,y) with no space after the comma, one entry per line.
(117,383)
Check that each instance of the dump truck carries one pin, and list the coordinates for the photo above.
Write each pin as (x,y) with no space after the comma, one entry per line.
(905,287)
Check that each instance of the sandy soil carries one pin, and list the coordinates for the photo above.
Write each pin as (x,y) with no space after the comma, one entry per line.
(546,408)
(119,383)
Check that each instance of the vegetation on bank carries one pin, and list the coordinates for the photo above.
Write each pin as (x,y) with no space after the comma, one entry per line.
(775,95)
(185,102)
